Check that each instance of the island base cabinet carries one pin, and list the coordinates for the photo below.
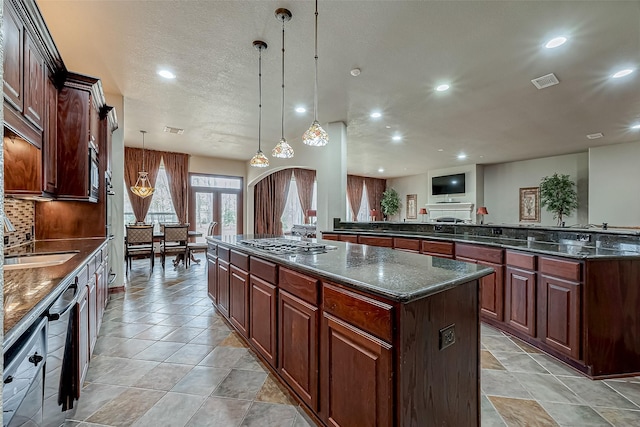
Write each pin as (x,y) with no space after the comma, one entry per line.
(239,300)
(520,295)
(262,318)
(357,382)
(492,292)
(212,278)
(298,348)
(223,287)
(559,314)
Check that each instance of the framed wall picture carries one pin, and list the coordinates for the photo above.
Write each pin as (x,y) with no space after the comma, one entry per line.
(412,206)
(530,204)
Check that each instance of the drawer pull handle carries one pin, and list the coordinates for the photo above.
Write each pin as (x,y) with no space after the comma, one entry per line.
(35,359)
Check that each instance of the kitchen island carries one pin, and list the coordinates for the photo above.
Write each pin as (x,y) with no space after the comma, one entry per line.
(362,336)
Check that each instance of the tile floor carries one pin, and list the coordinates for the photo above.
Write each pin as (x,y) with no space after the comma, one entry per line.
(165,358)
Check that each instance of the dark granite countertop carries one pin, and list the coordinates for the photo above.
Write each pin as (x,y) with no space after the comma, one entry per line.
(29,291)
(397,275)
(571,249)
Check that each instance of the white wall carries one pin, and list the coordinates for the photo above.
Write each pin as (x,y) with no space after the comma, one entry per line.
(614,185)
(413,184)
(502,183)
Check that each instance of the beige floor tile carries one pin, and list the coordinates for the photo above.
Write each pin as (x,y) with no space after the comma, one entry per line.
(522,413)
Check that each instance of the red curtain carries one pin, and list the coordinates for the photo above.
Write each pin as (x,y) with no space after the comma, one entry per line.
(305,178)
(375,188)
(133,165)
(270,197)
(354,193)
(177,167)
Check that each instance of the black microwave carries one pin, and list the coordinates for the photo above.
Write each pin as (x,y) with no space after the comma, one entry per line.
(94,172)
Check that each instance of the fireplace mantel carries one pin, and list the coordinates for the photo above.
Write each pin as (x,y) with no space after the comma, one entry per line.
(458,210)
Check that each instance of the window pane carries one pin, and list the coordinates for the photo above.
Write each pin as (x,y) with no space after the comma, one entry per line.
(216,182)
(229,214)
(161,209)
(363,213)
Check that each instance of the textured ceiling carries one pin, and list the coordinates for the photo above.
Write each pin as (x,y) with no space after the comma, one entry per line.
(487,51)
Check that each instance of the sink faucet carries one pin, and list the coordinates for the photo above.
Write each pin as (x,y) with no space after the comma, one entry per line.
(8,227)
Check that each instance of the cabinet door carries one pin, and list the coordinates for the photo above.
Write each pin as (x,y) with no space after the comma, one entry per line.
(100,291)
(263,306)
(559,314)
(33,84)
(298,346)
(13,58)
(492,292)
(520,297)
(239,300)
(356,376)
(81,338)
(223,287)
(93,315)
(49,150)
(22,167)
(212,278)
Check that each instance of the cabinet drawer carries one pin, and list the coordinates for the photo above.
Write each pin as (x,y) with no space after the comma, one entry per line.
(212,248)
(300,285)
(366,313)
(564,269)
(386,242)
(350,238)
(223,253)
(521,260)
(327,236)
(443,248)
(240,260)
(406,244)
(481,253)
(264,269)
(82,277)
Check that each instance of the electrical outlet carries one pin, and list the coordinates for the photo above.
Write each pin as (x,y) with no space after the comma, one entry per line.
(447,336)
(583,237)
(496,231)
(437,227)
(27,236)
(6,240)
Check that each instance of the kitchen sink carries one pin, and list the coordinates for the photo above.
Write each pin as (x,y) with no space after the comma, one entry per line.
(37,260)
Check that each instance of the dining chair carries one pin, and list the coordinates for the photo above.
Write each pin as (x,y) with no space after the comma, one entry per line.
(201,246)
(175,242)
(139,244)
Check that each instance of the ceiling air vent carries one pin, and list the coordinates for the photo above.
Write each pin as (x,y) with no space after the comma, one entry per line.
(545,81)
(595,135)
(176,131)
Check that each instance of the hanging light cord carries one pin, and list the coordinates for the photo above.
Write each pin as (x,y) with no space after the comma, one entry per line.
(143,132)
(315,92)
(260,97)
(283,77)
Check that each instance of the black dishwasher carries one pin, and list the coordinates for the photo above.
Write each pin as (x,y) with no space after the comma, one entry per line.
(22,391)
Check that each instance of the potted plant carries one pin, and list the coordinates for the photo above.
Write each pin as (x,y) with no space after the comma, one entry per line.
(558,194)
(390,202)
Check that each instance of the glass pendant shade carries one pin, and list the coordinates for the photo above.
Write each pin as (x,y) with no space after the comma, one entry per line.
(282,150)
(315,135)
(259,160)
(142,188)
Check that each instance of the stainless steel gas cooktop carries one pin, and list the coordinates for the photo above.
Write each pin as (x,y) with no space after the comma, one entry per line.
(281,246)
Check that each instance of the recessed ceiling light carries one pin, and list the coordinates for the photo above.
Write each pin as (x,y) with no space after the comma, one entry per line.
(396,138)
(440,149)
(462,156)
(595,135)
(381,170)
(622,73)
(376,115)
(442,88)
(636,126)
(388,127)
(355,72)
(166,74)
(555,42)
(301,110)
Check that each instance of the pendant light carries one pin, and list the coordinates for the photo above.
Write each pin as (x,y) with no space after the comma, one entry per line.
(143,187)
(315,135)
(282,150)
(259,160)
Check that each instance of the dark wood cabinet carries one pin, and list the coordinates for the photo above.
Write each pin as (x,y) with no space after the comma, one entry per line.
(212,277)
(223,287)
(13,33)
(34,84)
(520,300)
(239,299)
(349,238)
(357,386)
(440,249)
(329,236)
(385,242)
(262,314)
(559,314)
(49,150)
(22,166)
(407,245)
(492,292)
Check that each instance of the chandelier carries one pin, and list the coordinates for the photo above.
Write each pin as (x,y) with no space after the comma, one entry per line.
(283,150)
(143,187)
(259,160)
(315,135)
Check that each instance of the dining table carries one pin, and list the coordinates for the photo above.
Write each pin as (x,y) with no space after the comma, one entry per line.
(159,235)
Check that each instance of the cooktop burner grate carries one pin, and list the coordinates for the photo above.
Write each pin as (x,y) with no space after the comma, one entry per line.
(287,246)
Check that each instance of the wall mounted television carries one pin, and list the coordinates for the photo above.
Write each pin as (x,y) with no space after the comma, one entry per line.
(448,184)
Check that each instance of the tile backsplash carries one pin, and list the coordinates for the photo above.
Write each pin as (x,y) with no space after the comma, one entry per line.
(21,213)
